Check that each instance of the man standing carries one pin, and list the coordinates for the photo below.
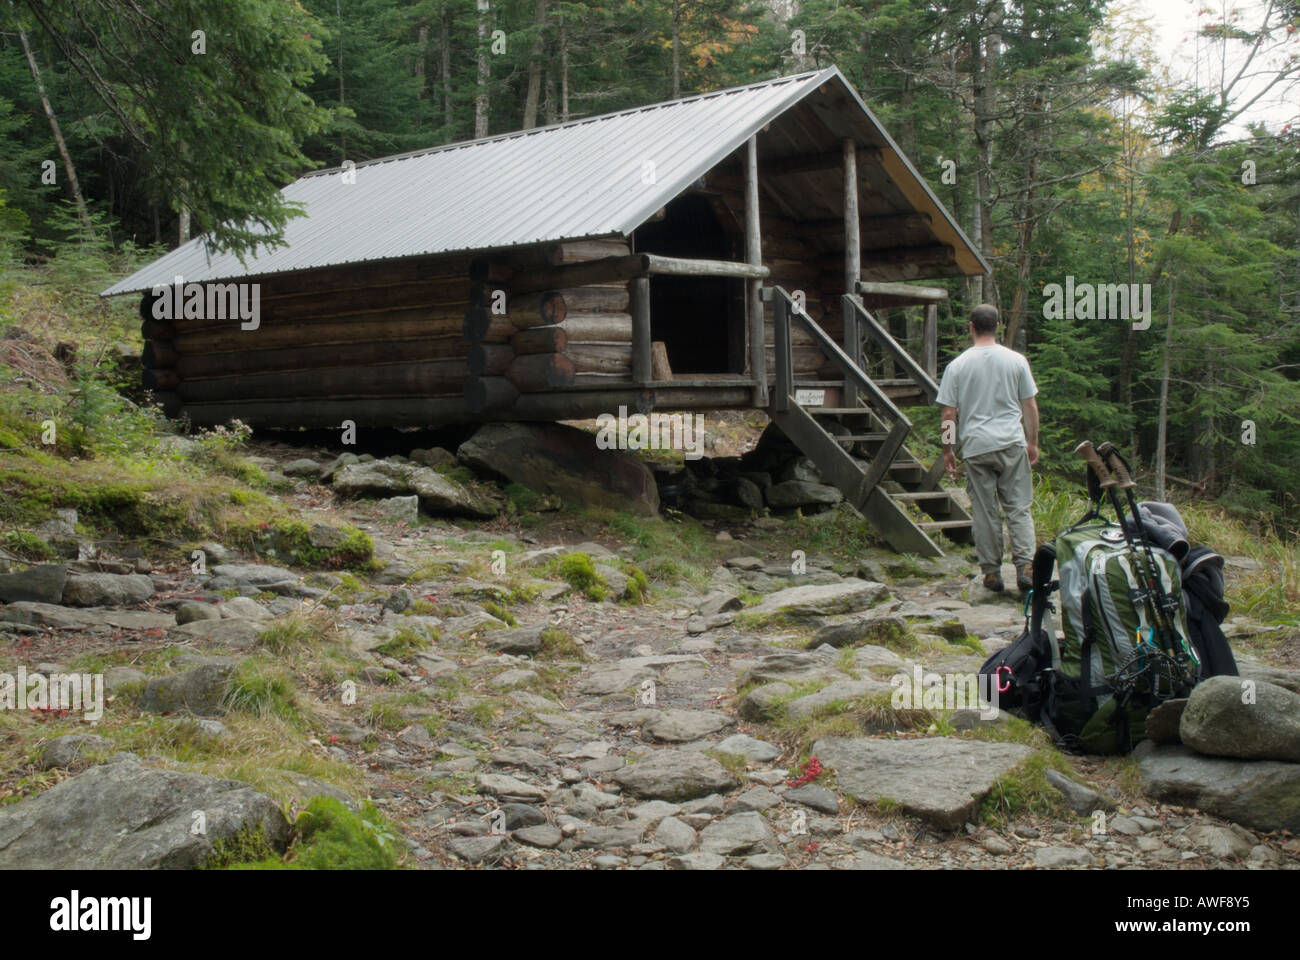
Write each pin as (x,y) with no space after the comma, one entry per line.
(984,394)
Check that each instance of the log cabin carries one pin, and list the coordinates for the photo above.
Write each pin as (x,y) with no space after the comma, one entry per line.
(721,251)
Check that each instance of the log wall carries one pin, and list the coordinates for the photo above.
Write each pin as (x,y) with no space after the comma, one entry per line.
(364,332)
(562,336)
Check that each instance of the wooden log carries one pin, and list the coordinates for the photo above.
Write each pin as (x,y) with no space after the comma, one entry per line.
(930,340)
(425,291)
(605,270)
(576,251)
(576,404)
(540,340)
(640,359)
(758,364)
(202,366)
(158,354)
(157,330)
(350,276)
(489,393)
(387,380)
(489,359)
(658,266)
(786,246)
(299,413)
(596,298)
(446,299)
(805,359)
(929,254)
(484,271)
(159,379)
(852,264)
(619,379)
(531,310)
(604,358)
(393,325)
(598,327)
(450,294)
(535,372)
(660,368)
(169,401)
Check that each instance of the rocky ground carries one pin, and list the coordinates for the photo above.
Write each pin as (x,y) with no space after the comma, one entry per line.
(497,714)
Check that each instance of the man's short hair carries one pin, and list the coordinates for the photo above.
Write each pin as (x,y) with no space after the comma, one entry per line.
(984,319)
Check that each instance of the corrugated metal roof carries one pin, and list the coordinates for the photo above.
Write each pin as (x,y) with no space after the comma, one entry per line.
(563,182)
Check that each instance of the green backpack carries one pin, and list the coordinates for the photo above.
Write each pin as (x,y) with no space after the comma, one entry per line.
(1107,673)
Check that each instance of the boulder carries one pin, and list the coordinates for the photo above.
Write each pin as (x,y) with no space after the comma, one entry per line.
(940,779)
(401,509)
(674,775)
(524,640)
(125,816)
(683,726)
(200,691)
(738,834)
(106,589)
(233,633)
(814,600)
(67,750)
(194,611)
(1263,794)
(1217,722)
(260,576)
(243,608)
(40,584)
(801,493)
(876,628)
(563,461)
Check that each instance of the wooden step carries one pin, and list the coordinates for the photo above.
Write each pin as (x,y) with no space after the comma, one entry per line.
(838,411)
(906,466)
(862,437)
(922,495)
(944,524)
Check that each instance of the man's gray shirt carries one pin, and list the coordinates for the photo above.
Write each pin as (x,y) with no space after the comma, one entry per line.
(987,385)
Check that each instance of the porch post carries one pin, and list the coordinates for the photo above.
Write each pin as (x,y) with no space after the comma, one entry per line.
(930,340)
(641,357)
(852,264)
(753,288)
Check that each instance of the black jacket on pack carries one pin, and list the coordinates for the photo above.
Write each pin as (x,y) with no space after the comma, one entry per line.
(1202,576)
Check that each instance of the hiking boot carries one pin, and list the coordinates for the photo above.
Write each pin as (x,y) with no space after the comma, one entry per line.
(1025,578)
(993,581)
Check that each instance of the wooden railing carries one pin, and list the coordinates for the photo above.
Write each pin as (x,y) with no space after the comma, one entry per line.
(784,310)
(869,326)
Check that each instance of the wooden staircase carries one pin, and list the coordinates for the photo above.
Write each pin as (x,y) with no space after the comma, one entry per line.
(859,446)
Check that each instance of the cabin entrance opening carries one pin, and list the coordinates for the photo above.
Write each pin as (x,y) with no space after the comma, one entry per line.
(700,320)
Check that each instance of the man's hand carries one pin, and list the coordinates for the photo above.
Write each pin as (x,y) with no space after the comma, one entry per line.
(950,463)
(1033,453)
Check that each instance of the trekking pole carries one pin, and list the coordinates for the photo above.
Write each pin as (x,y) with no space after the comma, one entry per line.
(1086,451)
(1108,483)
(1164,605)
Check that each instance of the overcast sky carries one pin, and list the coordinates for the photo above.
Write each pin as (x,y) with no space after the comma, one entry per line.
(1174,25)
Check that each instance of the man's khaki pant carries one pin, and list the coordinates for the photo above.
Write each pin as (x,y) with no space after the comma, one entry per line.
(999,481)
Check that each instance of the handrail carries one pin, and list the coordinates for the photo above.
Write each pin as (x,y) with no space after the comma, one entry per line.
(785,308)
(878,333)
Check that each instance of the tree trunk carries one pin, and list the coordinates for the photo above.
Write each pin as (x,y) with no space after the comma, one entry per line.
(677,51)
(535,68)
(422,51)
(564,72)
(481,105)
(444,43)
(1162,430)
(985,100)
(74,185)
